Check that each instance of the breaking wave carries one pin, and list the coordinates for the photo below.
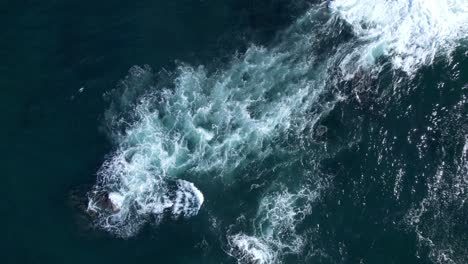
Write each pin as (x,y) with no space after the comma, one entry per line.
(411,32)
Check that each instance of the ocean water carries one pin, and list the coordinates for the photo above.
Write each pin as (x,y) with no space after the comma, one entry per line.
(272,131)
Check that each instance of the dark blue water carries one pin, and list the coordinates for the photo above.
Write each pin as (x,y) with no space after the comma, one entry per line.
(319,168)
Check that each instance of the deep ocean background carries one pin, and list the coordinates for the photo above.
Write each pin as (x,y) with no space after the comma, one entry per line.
(59,58)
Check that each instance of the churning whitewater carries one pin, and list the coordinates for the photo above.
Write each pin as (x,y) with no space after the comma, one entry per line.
(183,136)
(411,32)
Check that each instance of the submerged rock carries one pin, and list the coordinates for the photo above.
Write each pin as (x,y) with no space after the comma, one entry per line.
(115,200)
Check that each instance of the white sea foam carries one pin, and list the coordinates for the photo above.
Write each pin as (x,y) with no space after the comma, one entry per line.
(278,215)
(411,32)
(249,249)
(275,233)
(464,157)
(208,123)
(188,199)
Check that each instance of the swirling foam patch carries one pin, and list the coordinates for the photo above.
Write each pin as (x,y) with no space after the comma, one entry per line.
(203,123)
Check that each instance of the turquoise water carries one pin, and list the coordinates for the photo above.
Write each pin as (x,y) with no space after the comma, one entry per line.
(235,132)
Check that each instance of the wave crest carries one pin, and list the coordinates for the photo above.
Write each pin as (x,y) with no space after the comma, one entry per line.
(411,32)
